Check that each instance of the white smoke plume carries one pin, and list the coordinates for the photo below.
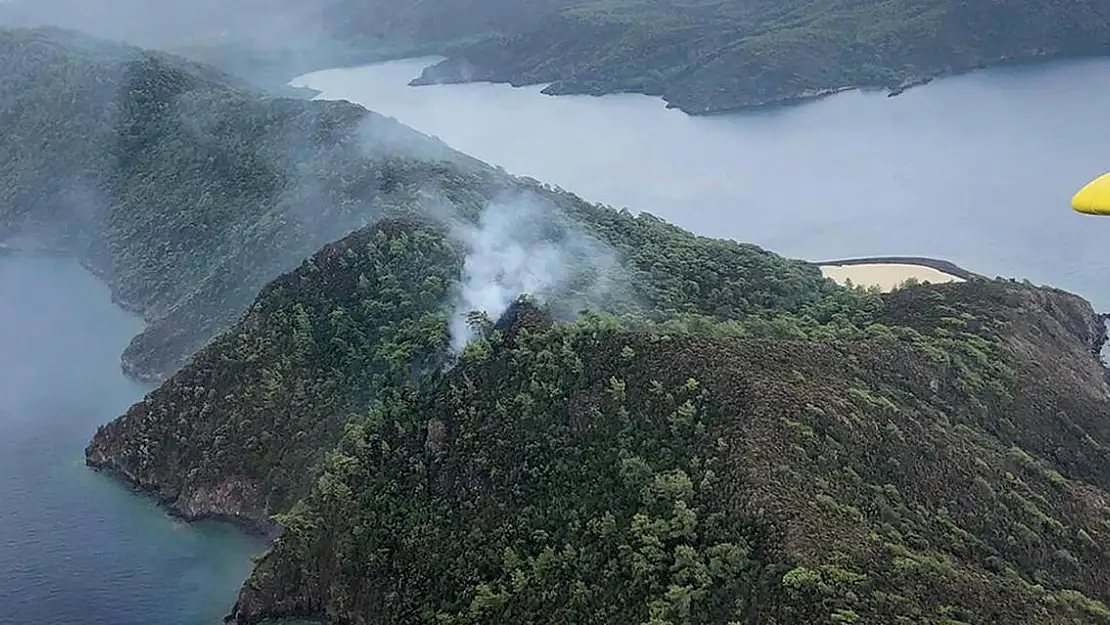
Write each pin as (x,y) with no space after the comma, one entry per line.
(524,246)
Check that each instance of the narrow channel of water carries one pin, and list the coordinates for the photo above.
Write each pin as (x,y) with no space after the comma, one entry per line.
(77,547)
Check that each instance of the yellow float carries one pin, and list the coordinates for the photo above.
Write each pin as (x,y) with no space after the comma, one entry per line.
(1094,199)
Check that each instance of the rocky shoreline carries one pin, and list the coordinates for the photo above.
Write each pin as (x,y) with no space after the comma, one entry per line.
(456,70)
(16,250)
(120,449)
(220,504)
(459,70)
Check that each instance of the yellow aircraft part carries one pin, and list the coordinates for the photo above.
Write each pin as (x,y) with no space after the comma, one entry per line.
(1094,199)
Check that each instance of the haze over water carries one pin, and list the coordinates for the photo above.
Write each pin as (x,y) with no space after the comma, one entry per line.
(77,548)
(977,169)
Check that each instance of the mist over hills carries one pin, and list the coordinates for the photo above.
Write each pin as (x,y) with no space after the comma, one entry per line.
(188,191)
(183,187)
(142,22)
(456,396)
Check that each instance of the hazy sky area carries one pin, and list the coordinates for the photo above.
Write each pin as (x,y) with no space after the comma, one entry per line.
(150,23)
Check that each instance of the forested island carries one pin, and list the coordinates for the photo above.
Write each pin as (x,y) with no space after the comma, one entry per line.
(701,57)
(723,55)
(455,396)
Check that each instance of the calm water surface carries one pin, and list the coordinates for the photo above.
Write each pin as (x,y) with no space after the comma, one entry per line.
(977,168)
(77,548)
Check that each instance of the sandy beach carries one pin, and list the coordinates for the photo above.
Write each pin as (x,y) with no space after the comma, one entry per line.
(889,273)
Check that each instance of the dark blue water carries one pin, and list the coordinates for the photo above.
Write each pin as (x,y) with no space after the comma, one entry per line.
(77,547)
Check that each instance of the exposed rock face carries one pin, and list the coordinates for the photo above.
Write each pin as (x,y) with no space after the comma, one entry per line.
(235,435)
(234,499)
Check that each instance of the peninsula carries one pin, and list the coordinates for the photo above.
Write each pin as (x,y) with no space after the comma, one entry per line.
(721,55)
(703,57)
(452,395)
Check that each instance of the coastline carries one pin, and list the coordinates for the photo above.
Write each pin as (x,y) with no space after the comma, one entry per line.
(251,525)
(691,107)
(7,249)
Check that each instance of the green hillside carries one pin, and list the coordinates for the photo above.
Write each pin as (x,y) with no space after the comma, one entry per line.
(593,474)
(935,455)
(188,192)
(453,396)
(184,189)
(702,56)
(718,55)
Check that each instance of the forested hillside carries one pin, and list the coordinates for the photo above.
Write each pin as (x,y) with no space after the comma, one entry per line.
(935,455)
(702,57)
(592,474)
(455,396)
(254,412)
(719,55)
(183,188)
(188,192)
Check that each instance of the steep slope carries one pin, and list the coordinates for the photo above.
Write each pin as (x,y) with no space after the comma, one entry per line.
(240,430)
(934,455)
(188,192)
(722,55)
(589,474)
(185,190)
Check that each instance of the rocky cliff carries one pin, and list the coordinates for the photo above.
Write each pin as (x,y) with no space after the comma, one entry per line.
(937,454)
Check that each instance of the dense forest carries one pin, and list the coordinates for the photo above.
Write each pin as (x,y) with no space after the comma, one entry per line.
(596,473)
(703,56)
(386,293)
(932,455)
(455,396)
(188,191)
(720,55)
(183,188)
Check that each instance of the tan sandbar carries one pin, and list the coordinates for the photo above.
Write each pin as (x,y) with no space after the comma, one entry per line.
(886,276)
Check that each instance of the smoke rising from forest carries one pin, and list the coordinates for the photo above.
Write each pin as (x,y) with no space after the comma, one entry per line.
(521,245)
